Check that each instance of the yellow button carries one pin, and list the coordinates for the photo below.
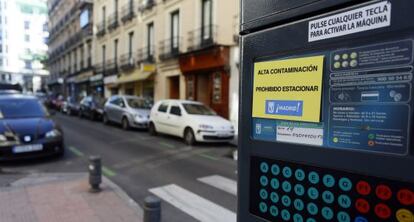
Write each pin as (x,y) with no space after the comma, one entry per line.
(404,215)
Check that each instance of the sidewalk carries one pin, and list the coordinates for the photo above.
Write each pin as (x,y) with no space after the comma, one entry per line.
(65,198)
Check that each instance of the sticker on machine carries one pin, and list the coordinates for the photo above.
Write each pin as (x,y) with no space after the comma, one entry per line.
(299,133)
(366,18)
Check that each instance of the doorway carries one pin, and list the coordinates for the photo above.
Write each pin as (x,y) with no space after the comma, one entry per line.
(203,89)
(174,85)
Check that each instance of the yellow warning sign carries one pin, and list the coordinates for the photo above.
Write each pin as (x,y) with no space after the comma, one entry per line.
(288,89)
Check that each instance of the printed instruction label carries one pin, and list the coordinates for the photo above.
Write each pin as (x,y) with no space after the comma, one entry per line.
(362,19)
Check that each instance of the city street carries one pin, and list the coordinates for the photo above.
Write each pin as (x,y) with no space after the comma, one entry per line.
(195,183)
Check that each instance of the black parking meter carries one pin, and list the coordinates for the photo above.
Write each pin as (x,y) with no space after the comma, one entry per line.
(326,117)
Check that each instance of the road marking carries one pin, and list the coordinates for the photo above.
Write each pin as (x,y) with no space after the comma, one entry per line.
(76,151)
(167,145)
(108,172)
(208,156)
(194,205)
(222,183)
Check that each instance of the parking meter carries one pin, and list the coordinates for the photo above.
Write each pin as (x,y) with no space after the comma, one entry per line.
(326,117)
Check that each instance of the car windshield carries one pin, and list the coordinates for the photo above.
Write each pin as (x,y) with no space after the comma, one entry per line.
(21,108)
(198,109)
(136,103)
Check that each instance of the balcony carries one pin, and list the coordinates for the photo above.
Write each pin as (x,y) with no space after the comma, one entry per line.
(101,29)
(202,38)
(86,31)
(113,22)
(82,3)
(127,61)
(111,67)
(99,68)
(170,48)
(146,5)
(146,55)
(128,12)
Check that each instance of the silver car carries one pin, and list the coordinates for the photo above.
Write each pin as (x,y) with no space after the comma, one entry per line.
(129,111)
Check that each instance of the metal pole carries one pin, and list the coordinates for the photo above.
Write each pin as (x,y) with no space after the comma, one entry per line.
(152,209)
(95,173)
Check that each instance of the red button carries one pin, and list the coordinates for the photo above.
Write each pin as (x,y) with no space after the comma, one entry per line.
(382,211)
(406,197)
(363,188)
(362,206)
(383,192)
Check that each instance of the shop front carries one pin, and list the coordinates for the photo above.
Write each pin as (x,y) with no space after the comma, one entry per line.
(96,84)
(139,82)
(111,87)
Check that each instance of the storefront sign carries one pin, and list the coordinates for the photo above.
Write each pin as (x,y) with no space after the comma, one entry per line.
(110,79)
(95,78)
(148,67)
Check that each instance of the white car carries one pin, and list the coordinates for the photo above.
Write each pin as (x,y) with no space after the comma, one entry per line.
(190,120)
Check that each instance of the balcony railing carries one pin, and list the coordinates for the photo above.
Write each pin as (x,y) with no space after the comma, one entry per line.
(146,5)
(81,3)
(127,61)
(128,12)
(203,37)
(146,55)
(170,48)
(111,67)
(99,68)
(101,29)
(113,21)
(86,31)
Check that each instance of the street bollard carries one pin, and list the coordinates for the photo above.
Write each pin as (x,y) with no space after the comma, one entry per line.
(152,209)
(95,173)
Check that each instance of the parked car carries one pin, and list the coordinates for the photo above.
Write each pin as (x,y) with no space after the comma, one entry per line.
(9,92)
(190,120)
(26,130)
(91,107)
(72,106)
(129,111)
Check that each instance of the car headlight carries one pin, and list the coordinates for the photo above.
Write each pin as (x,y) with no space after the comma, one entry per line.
(3,138)
(205,126)
(53,133)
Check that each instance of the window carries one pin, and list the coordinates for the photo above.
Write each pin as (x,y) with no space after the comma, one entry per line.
(45,27)
(163,107)
(175,29)
(206,19)
(150,40)
(116,7)
(217,87)
(103,54)
(27,38)
(27,64)
(130,44)
(115,50)
(26,25)
(175,110)
(103,15)
(190,87)
(82,55)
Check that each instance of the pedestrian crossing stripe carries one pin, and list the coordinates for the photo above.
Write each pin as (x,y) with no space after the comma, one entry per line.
(220,182)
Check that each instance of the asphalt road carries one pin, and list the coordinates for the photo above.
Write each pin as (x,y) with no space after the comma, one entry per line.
(195,183)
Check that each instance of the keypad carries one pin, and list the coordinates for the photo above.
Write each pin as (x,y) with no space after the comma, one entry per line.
(300,193)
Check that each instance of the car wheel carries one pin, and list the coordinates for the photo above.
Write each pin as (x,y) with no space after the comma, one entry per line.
(189,137)
(125,124)
(105,119)
(151,129)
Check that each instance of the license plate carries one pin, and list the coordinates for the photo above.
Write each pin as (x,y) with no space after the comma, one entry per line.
(223,135)
(27,148)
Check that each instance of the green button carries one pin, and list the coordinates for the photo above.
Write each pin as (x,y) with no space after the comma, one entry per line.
(285,215)
(264,181)
(313,193)
(286,201)
(327,213)
(344,201)
(328,197)
(310,220)
(343,217)
(274,197)
(297,218)
(299,190)
(286,187)
(264,168)
(263,207)
(298,204)
(313,177)
(312,208)
(287,172)
(275,169)
(328,181)
(263,194)
(274,183)
(274,211)
(345,184)
(300,175)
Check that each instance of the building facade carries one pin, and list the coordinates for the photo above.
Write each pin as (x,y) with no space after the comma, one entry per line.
(71,48)
(23,37)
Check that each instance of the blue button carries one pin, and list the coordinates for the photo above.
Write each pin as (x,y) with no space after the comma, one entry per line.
(297,218)
(343,217)
(287,172)
(312,208)
(286,187)
(274,211)
(344,201)
(310,220)
(361,219)
(328,197)
(275,169)
(313,177)
(263,207)
(345,184)
(299,190)
(264,168)
(300,175)
(327,213)
(274,183)
(298,204)
(264,181)
(263,194)
(286,201)
(285,215)
(274,197)
(328,181)
(313,193)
